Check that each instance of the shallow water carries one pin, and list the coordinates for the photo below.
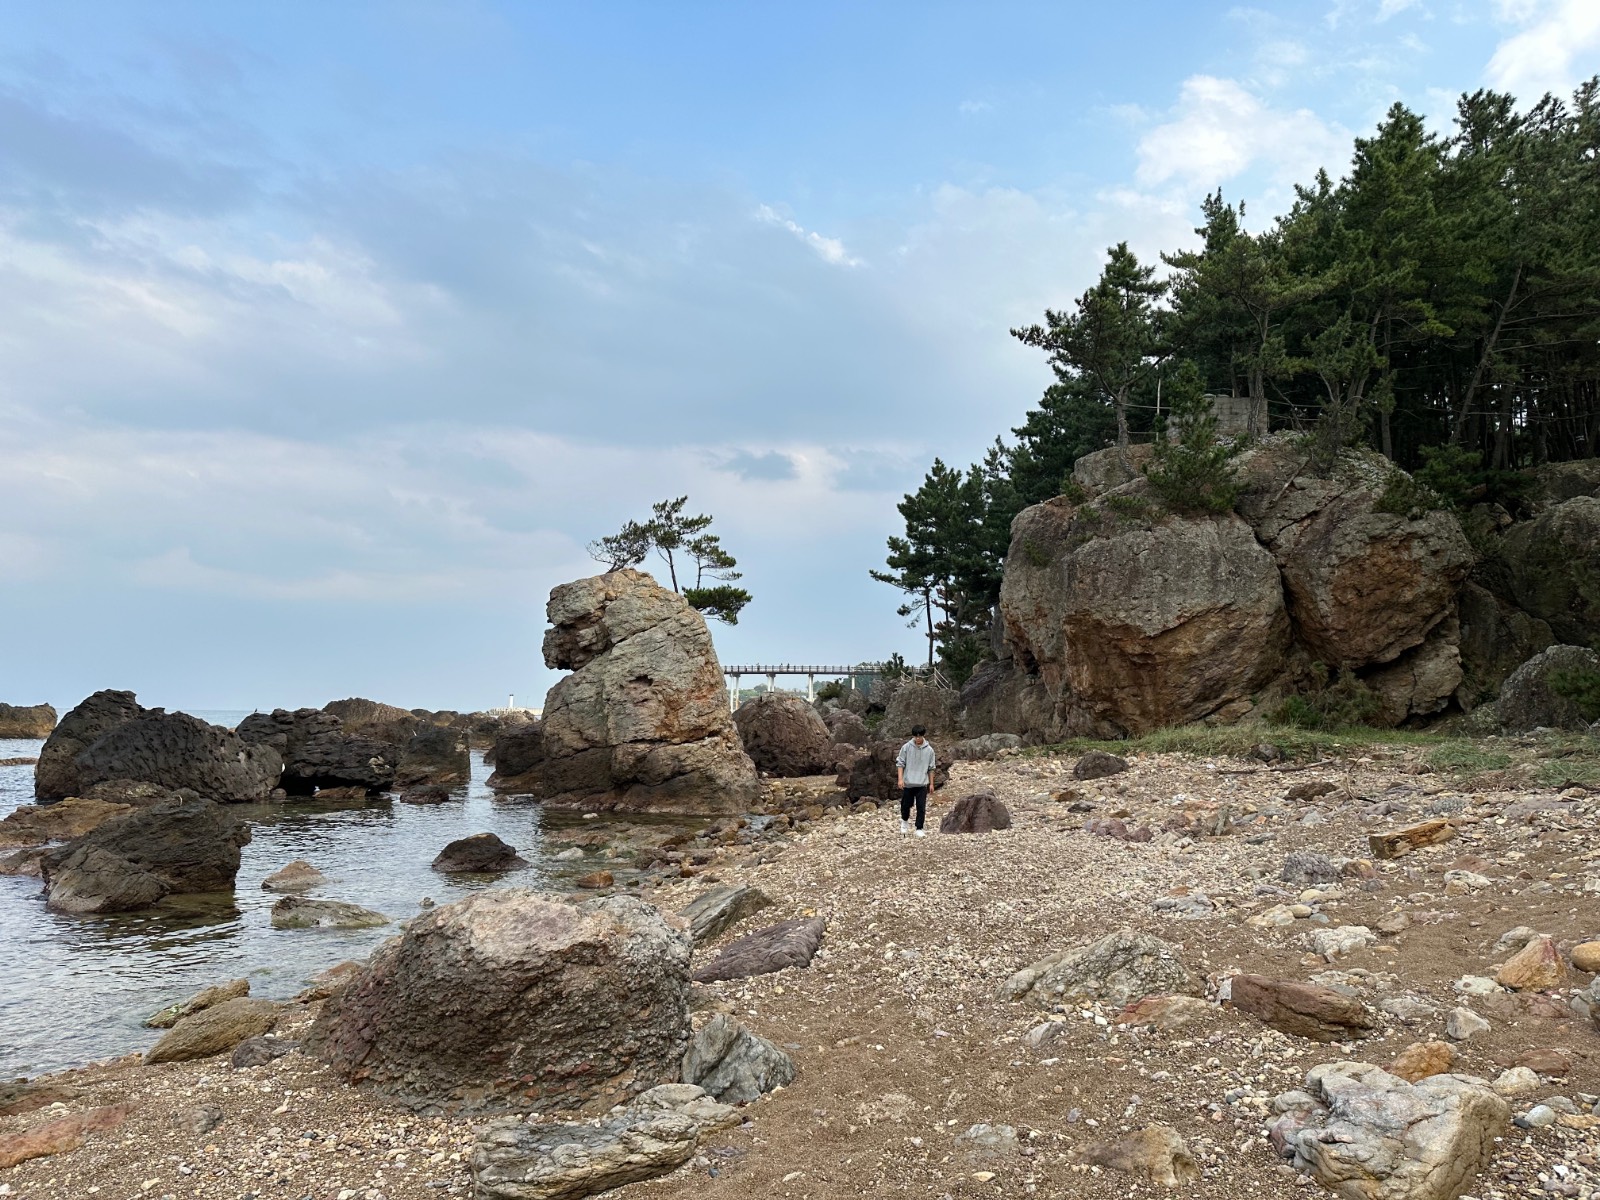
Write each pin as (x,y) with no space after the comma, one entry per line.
(75,988)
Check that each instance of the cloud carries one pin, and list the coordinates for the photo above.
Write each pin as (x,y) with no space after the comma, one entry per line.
(831,249)
(1393,8)
(771,464)
(1554,51)
(1219,130)
(971,107)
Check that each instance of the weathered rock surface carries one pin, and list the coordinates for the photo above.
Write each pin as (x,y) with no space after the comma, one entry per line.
(58,1137)
(1306,1010)
(508,998)
(642,723)
(1097,764)
(980,812)
(134,860)
(296,912)
(298,876)
(1002,697)
(1373,1136)
(1423,680)
(1157,1153)
(35,824)
(788,944)
(175,750)
(260,1050)
(1551,568)
(319,753)
(434,756)
(1399,842)
(847,728)
(27,721)
(518,754)
(1116,970)
(872,775)
(1538,965)
(710,913)
(1136,620)
(1527,699)
(214,1030)
(916,703)
(784,736)
(480,853)
(1420,1060)
(371,719)
(1496,639)
(987,746)
(652,1136)
(57,776)
(733,1064)
(209,997)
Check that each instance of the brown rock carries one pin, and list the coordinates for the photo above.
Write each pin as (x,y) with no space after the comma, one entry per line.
(23,1097)
(1536,967)
(34,824)
(784,736)
(1168,1012)
(1422,1059)
(1404,841)
(208,998)
(1544,1061)
(1586,956)
(980,812)
(642,723)
(595,879)
(214,1030)
(298,876)
(1156,1153)
(510,999)
(1097,764)
(1306,1010)
(1309,789)
(788,944)
(60,1136)
(479,854)
(27,862)
(328,981)
(28,722)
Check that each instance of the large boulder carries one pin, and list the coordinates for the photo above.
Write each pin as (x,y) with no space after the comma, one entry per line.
(914,703)
(370,719)
(1104,470)
(318,752)
(512,999)
(1496,638)
(1423,680)
(517,754)
(1554,483)
(176,750)
(1002,697)
(57,775)
(27,722)
(481,853)
(642,723)
(1116,970)
(1363,586)
(215,1029)
(1550,567)
(1527,699)
(872,775)
(131,861)
(1370,1135)
(434,756)
(847,728)
(784,736)
(1135,619)
(35,824)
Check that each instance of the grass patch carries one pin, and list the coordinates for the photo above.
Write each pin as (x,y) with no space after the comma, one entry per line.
(1461,756)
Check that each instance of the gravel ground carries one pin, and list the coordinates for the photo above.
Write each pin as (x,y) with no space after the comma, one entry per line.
(902,1042)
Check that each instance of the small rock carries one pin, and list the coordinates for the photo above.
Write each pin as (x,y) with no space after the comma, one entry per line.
(980,812)
(1156,1152)
(1304,1009)
(1422,1059)
(1097,764)
(1537,1117)
(1305,867)
(258,1051)
(57,1137)
(296,912)
(733,1064)
(1537,966)
(710,913)
(1340,941)
(1463,1024)
(1309,789)
(480,854)
(201,1119)
(214,1030)
(172,1014)
(1586,957)
(1517,1081)
(1476,985)
(1546,1061)
(595,879)
(298,876)
(986,1143)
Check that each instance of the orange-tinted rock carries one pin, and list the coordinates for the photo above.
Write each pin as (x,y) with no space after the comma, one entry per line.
(1404,841)
(1305,1009)
(1422,1059)
(1586,957)
(59,1136)
(596,879)
(1537,966)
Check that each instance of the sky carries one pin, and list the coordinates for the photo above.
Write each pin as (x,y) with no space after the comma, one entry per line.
(330,334)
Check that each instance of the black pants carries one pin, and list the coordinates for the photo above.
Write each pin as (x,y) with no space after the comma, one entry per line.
(918,794)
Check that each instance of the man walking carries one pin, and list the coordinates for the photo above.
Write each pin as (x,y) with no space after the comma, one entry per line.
(914,774)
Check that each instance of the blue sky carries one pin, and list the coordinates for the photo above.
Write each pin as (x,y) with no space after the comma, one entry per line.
(332,333)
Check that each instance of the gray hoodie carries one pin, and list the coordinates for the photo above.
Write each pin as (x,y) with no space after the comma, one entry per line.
(916,763)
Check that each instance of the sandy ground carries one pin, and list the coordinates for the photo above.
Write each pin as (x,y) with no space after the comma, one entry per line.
(902,1041)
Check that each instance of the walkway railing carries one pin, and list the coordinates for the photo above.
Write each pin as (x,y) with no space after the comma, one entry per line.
(811,670)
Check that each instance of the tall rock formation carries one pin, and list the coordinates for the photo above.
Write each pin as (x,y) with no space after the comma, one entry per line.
(642,723)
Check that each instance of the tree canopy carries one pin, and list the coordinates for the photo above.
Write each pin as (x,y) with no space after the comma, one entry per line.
(680,541)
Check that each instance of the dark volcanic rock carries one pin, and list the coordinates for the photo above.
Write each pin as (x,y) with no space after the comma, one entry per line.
(428,793)
(788,944)
(57,775)
(132,861)
(480,853)
(872,775)
(179,751)
(847,728)
(26,721)
(434,756)
(518,753)
(511,999)
(1097,764)
(260,1050)
(318,752)
(980,812)
(783,735)
(1528,700)
(370,719)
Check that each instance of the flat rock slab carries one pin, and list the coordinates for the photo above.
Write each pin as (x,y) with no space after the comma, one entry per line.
(33,824)
(710,913)
(788,944)
(1156,1153)
(1306,1010)
(214,1030)
(1414,837)
(296,912)
(57,1137)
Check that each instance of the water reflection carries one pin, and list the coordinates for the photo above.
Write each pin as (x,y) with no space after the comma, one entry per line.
(75,988)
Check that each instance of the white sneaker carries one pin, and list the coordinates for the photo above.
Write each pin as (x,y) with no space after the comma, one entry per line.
(920,833)
(905,826)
